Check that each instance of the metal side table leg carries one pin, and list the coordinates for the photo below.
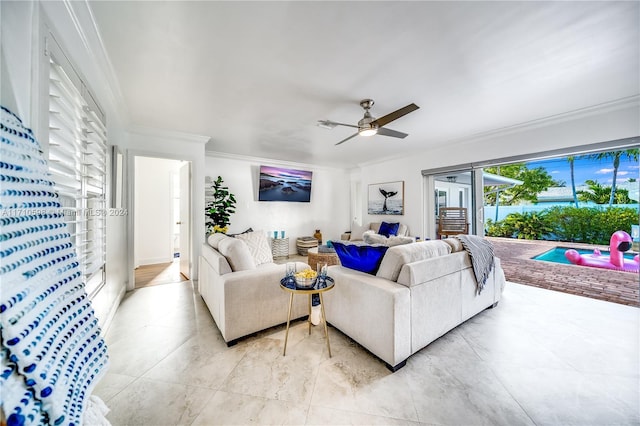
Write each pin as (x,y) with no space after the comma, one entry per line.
(286,335)
(309,320)
(324,319)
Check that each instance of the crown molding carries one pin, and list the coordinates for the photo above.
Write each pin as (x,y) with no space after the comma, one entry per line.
(577,114)
(168,134)
(86,27)
(269,161)
(590,111)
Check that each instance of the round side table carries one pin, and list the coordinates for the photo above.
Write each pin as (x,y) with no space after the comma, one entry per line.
(314,257)
(321,285)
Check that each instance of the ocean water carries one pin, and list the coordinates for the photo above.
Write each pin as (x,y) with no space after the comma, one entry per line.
(279,193)
(393,207)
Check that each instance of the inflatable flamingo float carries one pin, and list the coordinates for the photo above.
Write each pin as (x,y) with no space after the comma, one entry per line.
(619,243)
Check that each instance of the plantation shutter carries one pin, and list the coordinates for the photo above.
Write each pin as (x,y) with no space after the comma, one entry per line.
(77,164)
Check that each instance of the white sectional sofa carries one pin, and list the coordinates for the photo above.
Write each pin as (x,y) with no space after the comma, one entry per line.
(240,285)
(421,291)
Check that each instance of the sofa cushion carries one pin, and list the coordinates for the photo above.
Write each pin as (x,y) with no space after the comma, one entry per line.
(397,256)
(214,239)
(357,231)
(360,257)
(397,240)
(388,229)
(237,254)
(258,246)
(371,237)
(456,244)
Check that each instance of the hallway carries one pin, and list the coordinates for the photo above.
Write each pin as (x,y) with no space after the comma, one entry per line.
(160,273)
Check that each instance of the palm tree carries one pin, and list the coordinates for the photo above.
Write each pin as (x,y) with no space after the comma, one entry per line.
(597,193)
(571,160)
(631,154)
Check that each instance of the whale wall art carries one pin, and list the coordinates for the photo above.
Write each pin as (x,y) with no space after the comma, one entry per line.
(386,198)
(279,184)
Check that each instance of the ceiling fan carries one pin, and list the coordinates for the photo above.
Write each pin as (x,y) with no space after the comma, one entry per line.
(369,125)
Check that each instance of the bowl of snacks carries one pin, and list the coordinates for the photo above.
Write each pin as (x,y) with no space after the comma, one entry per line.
(306,278)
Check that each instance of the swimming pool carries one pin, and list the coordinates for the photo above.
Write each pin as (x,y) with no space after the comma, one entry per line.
(556,255)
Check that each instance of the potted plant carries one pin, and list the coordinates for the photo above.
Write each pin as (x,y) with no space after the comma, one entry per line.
(219,210)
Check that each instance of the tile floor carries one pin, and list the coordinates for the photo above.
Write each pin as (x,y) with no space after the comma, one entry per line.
(541,357)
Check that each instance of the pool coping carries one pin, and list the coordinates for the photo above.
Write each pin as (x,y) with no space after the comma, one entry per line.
(611,286)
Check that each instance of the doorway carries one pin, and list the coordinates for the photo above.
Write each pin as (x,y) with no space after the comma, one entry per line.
(162,237)
(453,188)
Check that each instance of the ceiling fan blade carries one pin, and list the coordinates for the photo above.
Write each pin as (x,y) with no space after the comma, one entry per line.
(331,124)
(344,140)
(386,119)
(393,133)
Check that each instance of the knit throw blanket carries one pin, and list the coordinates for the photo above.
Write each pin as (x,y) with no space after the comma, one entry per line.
(481,253)
(52,352)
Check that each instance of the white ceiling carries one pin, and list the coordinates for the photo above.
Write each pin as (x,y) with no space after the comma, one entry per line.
(256,76)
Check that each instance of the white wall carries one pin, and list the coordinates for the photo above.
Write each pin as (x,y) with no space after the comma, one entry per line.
(16,57)
(23,81)
(178,146)
(595,127)
(153,210)
(329,209)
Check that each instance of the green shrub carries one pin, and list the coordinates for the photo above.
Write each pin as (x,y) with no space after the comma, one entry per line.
(528,226)
(573,223)
(500,229)
(592,225)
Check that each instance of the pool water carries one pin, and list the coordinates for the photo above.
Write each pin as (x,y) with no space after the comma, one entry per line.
(556,255)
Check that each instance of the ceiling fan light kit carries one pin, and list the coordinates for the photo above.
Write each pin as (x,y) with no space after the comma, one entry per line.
(369,125)
(368,132)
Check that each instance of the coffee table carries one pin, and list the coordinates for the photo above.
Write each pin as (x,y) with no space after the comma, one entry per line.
(314,257)
(322,285)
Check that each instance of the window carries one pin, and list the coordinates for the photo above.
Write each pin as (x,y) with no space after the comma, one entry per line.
(77,163)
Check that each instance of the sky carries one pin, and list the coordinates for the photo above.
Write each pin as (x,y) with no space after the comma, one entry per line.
(587,168)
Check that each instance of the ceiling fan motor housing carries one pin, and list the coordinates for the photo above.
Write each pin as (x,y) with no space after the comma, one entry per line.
(365,122)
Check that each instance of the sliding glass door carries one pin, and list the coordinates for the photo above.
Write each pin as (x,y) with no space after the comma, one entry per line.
(453,193)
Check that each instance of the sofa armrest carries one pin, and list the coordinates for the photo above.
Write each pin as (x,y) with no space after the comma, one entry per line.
(373,311)
(252,300)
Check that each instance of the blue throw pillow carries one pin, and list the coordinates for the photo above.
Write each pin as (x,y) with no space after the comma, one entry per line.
(389,229)
(361,258)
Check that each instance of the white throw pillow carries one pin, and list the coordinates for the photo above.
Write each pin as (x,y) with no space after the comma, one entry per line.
(237,254)
(395,240)
(370,237)
(258,246)
(357,231)
(214,239)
